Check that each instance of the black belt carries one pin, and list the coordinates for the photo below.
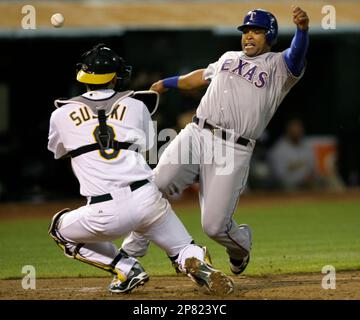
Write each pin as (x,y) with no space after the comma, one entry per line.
(240,140)
(106,197)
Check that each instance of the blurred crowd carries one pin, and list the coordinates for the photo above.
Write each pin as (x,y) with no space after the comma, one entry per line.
(296,162)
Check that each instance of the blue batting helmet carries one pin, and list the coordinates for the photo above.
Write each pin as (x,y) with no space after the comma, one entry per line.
(262,19)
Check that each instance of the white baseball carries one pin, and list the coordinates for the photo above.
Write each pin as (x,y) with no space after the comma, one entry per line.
(57,20)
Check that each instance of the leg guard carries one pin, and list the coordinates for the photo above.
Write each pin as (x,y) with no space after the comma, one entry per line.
(73,250)
(53,232)
(107,267)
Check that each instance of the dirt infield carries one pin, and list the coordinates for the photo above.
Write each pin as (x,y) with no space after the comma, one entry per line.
(274,287)
(269,287)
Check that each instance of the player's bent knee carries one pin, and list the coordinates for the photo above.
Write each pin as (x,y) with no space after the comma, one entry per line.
(213,231)
(54,233)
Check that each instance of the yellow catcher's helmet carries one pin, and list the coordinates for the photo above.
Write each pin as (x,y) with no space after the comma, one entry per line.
(100,65)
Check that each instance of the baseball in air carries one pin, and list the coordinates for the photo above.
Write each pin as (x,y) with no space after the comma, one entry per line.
(57,20)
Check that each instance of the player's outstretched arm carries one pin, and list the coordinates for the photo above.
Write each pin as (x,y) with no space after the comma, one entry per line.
(192,80)
(295,55)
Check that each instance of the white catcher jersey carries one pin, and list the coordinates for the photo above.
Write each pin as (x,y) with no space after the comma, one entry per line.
(73,125)
(245,92)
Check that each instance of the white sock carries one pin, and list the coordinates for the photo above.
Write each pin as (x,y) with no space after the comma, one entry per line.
(125,265)
(189,251)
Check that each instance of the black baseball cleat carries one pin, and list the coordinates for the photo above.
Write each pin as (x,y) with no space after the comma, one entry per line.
(204,275)
(137,277)
(237,266)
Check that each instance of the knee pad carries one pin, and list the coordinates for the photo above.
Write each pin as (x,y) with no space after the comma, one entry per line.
(54,233)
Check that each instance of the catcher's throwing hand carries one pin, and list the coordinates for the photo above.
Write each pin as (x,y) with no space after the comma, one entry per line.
(300,18)
(158,87)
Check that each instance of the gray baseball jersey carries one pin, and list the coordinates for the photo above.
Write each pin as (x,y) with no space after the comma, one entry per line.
(243,95)
(245,92)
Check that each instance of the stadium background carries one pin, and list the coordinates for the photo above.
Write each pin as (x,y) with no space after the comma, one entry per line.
(163,38)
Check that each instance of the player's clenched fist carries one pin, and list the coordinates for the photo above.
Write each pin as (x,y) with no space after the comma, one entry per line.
(158,87)
(300,18)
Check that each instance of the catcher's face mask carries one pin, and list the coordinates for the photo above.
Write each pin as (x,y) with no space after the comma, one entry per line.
(100,65)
